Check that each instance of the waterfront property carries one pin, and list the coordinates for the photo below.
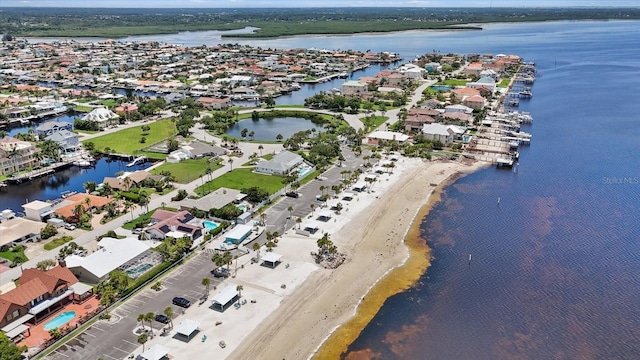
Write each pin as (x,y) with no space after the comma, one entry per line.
(446,134)
(101,116)
(238,234)
(376,137)
(214,200)
(50,127)
(16,155)
(176,225)
(18,230)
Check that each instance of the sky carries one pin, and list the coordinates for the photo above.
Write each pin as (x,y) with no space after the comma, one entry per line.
(315,3)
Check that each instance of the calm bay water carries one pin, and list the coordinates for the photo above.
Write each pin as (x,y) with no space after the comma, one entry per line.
(554,273)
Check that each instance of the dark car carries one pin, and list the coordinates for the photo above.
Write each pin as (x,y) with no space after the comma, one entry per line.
(220,272)
(162,318)
(182,302)
(292,194)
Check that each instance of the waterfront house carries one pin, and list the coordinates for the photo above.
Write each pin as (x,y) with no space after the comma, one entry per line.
(443,133)
(417,117)
(458,108)
(355,88)
(464,92)
(103,116)
(39,294)
(65,209)
(176,225)
(215,103)
(50,127)
(475,102)
(16,155)
(68,141)
(486,81)
(281,164)
(38,210)
(474,68)
(215,200)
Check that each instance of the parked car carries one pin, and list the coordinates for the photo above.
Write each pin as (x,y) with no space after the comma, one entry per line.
(69,226)
(220,272)
(182,302)
(162,318)
(292,194)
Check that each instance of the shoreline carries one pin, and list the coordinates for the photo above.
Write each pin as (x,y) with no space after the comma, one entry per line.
(306,323)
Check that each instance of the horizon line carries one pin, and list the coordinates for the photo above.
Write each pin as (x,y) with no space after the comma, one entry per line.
(330,7)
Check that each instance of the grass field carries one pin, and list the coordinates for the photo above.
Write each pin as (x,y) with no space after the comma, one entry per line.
(504,82)
(243,178)
(187,170)
(83,109)
(377,121)
(453,82)
(127,141)
(17,256)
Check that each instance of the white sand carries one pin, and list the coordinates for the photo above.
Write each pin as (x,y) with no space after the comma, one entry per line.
(292,322)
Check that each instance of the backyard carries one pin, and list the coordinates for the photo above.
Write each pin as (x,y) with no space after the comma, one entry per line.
(188,170)
(127,141)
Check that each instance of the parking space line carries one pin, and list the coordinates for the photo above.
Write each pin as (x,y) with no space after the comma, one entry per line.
(58,352)
(117,348)
(129,342)
(109,356)
(97,328)
(88,333)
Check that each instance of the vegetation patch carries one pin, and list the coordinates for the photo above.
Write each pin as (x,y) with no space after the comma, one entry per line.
(127,141)
(57,242)
(15,255)
(241,179)
(188,170)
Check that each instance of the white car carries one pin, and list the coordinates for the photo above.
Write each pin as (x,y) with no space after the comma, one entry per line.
(69,226)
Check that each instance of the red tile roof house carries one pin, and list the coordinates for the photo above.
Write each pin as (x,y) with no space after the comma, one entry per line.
(38,295)
(170,224)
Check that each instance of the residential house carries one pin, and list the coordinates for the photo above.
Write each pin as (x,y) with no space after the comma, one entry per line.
(281,164)
(354,88)
(215,103)
(68,141)
(464,92)
(50,127)
(67,206)
(475,102)
(376,137)
(474,68)
(103,116)
(126,108)
(215,200)
(443,133)
(18,231)
(417,117)
(38,210)
(458,108)
(487,82)
(16,155)
(39,294)
(176,225)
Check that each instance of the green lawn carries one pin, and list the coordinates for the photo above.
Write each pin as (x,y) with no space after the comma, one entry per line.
(453,82)
(243,178)
(17,256)
(504,82)
(109,103)
(187,170)
(82,108)
(54,243)
(377,121)
(127,141)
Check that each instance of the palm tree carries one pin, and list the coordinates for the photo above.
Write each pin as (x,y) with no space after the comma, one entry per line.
(239,289)
(142,339)
(251,135)
(78,210)
(144,200)
(132,206)
(230,161)
(163,204)
(149,317)
(256,248)
(227,259)
(290,210)
(312,206)
(141,320)
(260,147)
(263,217)
(206,282)
(127,183)
(168,312)
(218,259)
(87,201)
(299,221)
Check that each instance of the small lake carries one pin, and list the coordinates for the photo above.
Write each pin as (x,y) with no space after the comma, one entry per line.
(268,129)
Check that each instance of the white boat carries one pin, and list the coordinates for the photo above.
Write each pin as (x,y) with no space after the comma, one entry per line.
(140,159)
(82,163)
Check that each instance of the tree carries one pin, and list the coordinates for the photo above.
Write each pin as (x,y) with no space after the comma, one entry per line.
(244,132)
(239,289)
(206,282)
(256,248)
(279,137)
(230,161)
(168,312)
(142,339)
(141,320)
(119,280)
(263,217)
(48,231)
(9,350)
(290,210)
(312,206)
(45,265)
(252,135)
(132,206)
(299,222)
(270,245)
(144,200)
(260,147)
(149,317)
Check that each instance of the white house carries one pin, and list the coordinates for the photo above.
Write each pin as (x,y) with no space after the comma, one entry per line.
(443,133)
(102,116)
(353,87)
(51,127)
(375,137)
(37,210)
(281,164)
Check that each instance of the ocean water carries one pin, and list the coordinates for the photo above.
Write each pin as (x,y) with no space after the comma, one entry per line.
(555,265)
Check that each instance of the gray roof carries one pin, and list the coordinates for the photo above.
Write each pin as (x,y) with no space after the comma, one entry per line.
(201,149)
(282,162)
(61,135)
(52,125)
(215,200)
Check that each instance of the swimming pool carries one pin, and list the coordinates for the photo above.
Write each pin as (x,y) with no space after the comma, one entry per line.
(303,171)
(139,270)
(441,87)
(210,225)
(60,320)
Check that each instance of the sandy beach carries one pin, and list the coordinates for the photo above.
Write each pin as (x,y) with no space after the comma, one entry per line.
(371,233)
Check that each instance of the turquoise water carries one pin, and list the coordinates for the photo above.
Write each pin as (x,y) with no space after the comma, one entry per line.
(60,320)
(210,225)
(441,87)
(139,270)
(303,171)
(241,207)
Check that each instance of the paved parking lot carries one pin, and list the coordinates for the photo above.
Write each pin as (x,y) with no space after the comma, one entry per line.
(115,339)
